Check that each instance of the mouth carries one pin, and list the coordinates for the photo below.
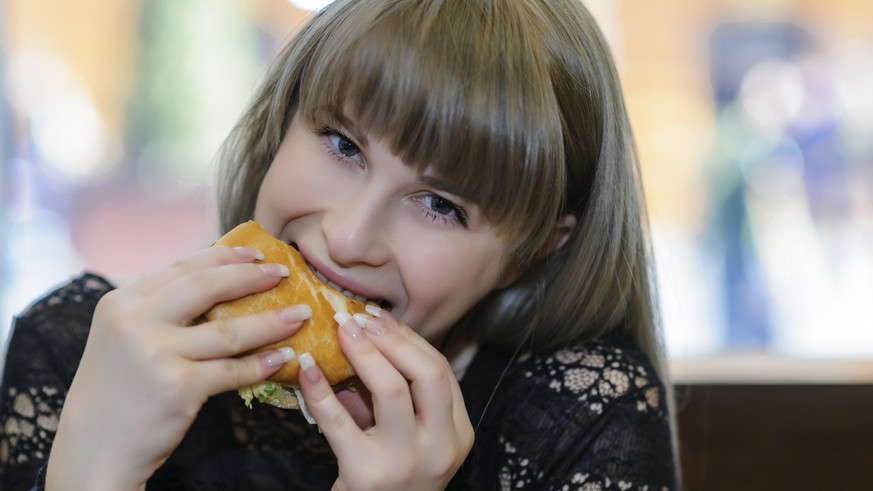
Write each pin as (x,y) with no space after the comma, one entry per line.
(381,302)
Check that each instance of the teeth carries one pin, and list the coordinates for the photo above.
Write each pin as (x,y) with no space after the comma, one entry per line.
(341,290)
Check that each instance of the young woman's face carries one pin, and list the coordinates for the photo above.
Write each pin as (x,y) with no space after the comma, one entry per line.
(376,228)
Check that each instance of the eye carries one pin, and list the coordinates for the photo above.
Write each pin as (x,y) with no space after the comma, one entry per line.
(340,146)
(344,145)
(437,208)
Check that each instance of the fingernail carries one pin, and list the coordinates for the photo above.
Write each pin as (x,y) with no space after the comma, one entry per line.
(278,357)
(348,324)
(341,316)
(374,310)
(307,364)
(361,319)
(296,313)
(249,252)
(374,328)
(275,270)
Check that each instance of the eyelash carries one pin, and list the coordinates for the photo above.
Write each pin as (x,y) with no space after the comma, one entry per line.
(326,132)
(460,217)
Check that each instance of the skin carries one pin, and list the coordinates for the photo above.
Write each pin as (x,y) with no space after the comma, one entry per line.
(368,223)
(375,227)
(144,374)
(372,225)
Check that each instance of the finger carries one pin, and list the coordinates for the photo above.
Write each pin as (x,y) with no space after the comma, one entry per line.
(392,323)
(430,376)
(460,416)
(380,313)
(459,408)
(202,259)
(334,421)
(402,329)
(189,296)
(392,400)
(433,415)
(230,337)
(224,374)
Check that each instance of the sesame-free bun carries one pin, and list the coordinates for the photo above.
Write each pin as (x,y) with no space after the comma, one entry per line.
(318,336)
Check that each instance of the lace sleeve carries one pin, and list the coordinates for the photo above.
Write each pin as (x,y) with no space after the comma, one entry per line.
(592,419)
(601,423)
(44,351)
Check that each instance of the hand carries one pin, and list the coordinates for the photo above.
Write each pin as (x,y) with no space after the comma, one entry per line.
(420,433)
(145,374)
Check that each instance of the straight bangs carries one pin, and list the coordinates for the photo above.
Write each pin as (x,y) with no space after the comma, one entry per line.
(462,93)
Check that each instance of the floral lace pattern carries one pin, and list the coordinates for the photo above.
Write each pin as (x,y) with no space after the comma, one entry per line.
(598,382)
(589,418)
(43,354)
(32,419)
(600,375)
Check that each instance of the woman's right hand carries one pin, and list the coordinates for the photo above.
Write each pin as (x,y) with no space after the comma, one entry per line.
(415,433)
(146,371)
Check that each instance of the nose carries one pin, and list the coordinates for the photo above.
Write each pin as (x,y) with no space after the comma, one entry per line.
(354,231)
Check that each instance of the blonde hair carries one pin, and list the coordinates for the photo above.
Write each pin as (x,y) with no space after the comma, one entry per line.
(517,103)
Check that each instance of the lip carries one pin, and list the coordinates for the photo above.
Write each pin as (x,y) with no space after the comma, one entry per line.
(339,278)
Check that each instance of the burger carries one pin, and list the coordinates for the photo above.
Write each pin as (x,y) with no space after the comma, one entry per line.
(317,336)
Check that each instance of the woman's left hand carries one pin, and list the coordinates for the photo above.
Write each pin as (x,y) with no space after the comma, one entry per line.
(421,432)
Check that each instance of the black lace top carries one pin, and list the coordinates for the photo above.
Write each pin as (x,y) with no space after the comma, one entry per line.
(589,418)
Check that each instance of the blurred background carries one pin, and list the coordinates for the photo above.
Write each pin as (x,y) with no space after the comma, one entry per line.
(754,121)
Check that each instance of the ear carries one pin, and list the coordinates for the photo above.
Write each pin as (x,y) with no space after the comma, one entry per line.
(560,234)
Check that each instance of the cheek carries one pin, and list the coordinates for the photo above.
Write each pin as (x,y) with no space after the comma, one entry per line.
(444,283)
(289,189)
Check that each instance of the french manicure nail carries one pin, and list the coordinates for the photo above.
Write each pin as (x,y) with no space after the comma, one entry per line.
(249,252)
(275,270)
(373,310)
(296,313)
(361,319)
(307,364)
(341,316)
(348,324)
(279,357)
(374,328)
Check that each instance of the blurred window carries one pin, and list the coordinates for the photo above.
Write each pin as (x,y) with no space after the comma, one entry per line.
(753,120)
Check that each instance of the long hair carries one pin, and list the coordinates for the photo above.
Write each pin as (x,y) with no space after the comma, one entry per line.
(518,103)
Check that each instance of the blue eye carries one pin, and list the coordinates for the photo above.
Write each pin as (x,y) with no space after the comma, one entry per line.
(438,208)
(442,206)
(340,146)
(344,145)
